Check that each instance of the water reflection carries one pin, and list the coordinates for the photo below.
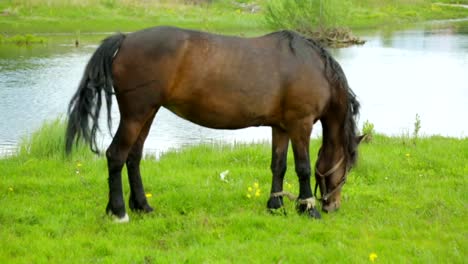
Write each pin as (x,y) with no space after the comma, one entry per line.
(396,76)
(409,73)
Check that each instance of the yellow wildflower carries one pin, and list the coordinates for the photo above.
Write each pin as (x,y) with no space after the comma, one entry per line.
(249,196)
(10,189)
(407,155)
(79,164)
(149,195)
(257,193)
(249,189)
(372,257)
(256,185)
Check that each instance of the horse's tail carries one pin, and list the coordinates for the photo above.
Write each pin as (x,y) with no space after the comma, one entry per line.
(336,77)
(85,105)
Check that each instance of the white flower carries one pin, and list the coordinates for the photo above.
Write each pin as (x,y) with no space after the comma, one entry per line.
(223,175)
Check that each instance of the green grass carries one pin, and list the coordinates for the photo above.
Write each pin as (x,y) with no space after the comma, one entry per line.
(109,16)
(406,201)
(461,2)
(20,40)
(58,16)
(48,143)
(307,15)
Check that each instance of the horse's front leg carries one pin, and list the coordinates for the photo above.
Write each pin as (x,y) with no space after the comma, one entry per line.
(280,142)
(300,139)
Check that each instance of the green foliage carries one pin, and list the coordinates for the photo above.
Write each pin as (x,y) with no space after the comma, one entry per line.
(311,15)
(20,40)
(109,3)
(368,130)
(49,142)
(122,15)
(306,15)
(25,16)
(402,203)
(460,2)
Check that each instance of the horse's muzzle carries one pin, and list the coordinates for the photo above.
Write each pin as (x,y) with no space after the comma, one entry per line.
(331,206)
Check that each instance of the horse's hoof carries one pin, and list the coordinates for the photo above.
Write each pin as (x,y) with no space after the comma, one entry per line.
(146,209)
(279,211)
(121,220)
(116,213)
(301,208)
(314,213)
(118,218)
(275,203)
(275,206)
(143,207)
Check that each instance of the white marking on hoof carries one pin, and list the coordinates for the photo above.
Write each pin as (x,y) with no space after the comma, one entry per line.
(124,219)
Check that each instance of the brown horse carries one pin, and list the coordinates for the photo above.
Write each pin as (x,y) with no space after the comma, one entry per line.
(282,80)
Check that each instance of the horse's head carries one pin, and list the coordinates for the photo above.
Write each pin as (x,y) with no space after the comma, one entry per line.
(331,175)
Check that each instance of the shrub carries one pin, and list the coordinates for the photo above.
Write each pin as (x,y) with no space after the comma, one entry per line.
(368,129)
(306,15)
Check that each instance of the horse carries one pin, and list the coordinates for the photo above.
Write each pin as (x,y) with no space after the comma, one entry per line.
(282,80)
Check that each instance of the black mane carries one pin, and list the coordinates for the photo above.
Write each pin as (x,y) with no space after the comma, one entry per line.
(336,77)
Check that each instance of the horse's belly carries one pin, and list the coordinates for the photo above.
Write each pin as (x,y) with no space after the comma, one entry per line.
(221,116)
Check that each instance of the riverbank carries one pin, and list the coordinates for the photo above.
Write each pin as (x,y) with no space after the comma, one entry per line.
(58,16)
(110,16)
(404,202)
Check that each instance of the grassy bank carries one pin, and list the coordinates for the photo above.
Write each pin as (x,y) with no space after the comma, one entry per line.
(405,202)
(367,14)
(55,16)
(19,40)
(313,15)
(108,16)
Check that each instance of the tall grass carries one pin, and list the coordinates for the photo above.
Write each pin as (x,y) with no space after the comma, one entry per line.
(306,15)
(20,40)
(49,142)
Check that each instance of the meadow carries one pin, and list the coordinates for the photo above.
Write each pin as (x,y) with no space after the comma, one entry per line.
(405,202)
(58,16)
(312,15)
(75,17)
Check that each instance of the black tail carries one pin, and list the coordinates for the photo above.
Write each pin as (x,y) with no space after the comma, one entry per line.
(85,105)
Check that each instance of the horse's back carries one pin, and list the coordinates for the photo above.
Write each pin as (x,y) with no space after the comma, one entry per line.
(219,81)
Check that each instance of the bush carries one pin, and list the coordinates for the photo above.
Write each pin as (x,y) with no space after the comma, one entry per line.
(368,130)
(306,15)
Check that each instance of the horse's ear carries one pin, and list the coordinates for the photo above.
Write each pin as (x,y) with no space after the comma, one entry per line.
(359,139)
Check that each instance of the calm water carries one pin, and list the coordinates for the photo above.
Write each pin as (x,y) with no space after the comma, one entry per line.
(396,75)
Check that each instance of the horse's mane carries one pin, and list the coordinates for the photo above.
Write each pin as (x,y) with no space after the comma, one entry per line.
(336,77)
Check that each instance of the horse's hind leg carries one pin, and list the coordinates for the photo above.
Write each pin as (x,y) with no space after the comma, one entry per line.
(138,201)
(300,139)
(280,142)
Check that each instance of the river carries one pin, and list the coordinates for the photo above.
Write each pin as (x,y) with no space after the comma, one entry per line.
(396,75)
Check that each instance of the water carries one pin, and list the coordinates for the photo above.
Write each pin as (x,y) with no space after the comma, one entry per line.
(396,75)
